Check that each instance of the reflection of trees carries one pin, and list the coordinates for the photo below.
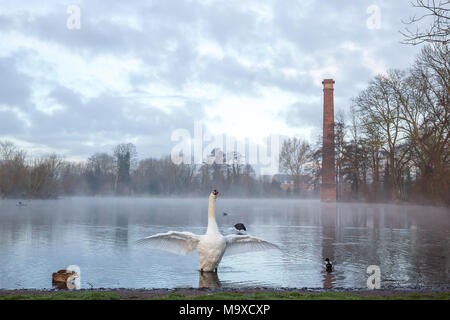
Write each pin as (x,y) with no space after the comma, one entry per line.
(328,223)
(410,244)
(429,258)
(13,229)
(121,234)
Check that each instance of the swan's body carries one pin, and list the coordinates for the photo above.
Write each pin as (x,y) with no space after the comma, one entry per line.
(211,246)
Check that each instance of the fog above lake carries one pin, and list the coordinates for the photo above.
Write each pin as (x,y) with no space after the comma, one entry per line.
(409,243)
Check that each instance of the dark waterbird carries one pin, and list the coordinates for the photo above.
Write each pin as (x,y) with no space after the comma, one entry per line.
(328,265)
(21,204)
(240,226)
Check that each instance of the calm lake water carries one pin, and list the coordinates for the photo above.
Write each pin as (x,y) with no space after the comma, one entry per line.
(410,244)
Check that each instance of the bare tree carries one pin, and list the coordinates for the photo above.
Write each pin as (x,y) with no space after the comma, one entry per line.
(7,150)
(44,176)
(316,168)
(100,173)
(72,178)
(13,170)
(439,29)
(354,156)
(379,106)
(125,156)
(339,150)
(374,141)
(294,154)
(405,119)
(426,118)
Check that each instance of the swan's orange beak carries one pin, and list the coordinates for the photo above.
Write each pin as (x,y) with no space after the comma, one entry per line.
(215,192)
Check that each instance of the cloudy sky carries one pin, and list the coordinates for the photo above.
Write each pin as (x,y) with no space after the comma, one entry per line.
(135,71)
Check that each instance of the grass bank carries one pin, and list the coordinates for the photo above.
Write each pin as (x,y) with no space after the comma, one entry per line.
(304,296)
(266,295)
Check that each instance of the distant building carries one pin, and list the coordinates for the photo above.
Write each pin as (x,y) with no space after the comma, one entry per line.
(287,182)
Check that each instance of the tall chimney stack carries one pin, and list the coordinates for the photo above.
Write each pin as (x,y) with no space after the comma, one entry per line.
(328,187)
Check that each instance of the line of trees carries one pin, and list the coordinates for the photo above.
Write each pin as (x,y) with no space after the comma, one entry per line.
(396,146)
(393,147)
(120,173)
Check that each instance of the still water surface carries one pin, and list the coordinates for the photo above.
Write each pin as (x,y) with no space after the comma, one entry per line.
(409,243)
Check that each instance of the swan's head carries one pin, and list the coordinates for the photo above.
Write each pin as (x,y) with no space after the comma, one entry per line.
(213,195)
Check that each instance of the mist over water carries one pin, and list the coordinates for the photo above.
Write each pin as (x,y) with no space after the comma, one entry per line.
(409,243)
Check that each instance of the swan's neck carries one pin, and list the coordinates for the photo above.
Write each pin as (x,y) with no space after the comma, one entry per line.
(212,225)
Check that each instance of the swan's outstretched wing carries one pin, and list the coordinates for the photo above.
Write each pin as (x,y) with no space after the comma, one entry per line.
(245,243)
(176,242)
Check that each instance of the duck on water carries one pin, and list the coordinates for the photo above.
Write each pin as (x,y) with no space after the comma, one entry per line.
(21,204)
(328,265)
(211,246)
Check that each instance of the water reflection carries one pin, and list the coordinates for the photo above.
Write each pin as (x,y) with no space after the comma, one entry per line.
(409,243)
(121,232)
(328,213)
(208,280)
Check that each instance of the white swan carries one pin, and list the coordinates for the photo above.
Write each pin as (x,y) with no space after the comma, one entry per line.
(210,246)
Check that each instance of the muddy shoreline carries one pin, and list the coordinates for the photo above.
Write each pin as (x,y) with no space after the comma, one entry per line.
(127,293)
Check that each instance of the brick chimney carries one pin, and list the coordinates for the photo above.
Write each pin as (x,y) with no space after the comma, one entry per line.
(328,187)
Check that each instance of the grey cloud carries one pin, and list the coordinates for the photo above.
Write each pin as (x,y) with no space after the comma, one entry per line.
(304,114)
(108,117)
(15,86)
(10,123)
(312,34)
